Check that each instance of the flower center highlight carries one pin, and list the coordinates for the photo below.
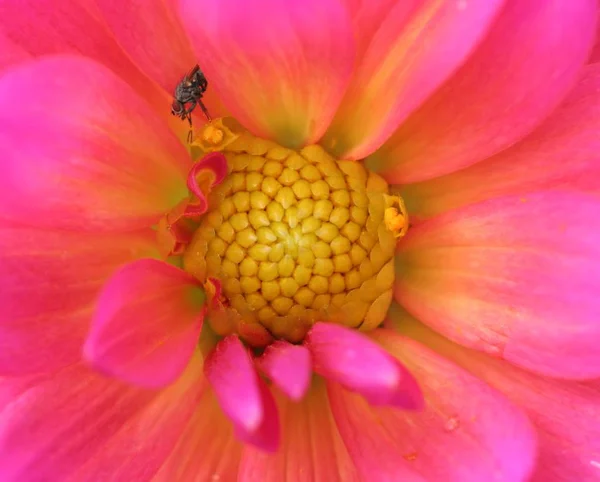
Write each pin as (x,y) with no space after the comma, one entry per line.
(291,238)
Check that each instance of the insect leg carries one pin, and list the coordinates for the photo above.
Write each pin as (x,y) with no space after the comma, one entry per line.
(190,133)
(205,110)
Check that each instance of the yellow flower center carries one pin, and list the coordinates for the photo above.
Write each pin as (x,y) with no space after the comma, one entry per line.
(294,237)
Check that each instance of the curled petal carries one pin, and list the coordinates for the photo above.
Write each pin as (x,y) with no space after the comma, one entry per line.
(561,153)
(147,324)
(243,396)
(530,59)
(516,277)
(49,281)
(75,424)
(350,358)
(467,431)
(206,173)
(310,439)
(417,46)
(289,366)
(282,78)
(89,162)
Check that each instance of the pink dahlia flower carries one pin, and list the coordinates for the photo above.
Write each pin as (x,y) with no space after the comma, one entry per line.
(256,306)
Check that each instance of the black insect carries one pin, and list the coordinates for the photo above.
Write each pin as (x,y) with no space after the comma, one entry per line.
(188,94)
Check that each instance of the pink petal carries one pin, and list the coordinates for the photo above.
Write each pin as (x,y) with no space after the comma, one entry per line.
(49,281)
(515,277)
(147,323)
(37,28)
(89,162)
(312,449)
(216,164)
(207,450)
(350,358)
(561,153)
(467,432)
(243,396)
(517,76)
(288,366)
(77,425)
(281,68)
(595,57)
(565,413)
(417,46)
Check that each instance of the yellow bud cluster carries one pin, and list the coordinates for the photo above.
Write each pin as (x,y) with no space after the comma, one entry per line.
(295,238)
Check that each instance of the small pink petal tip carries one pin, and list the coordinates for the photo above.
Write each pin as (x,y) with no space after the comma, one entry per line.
(206,173)
(359,364)
(243,396)
(289,366)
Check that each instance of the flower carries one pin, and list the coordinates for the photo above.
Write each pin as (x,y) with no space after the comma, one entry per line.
(482,116)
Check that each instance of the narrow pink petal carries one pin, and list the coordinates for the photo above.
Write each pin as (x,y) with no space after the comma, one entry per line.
(350,358)
(77,425)
(311,447)
(561,153)
(243,396)
(417,46)
(281,68)
(216,164)
(467,432)
(147,323)
(565,413)
(87,162)
(515,277)
(49,281)
(207,450)
(531,57)
(288,366)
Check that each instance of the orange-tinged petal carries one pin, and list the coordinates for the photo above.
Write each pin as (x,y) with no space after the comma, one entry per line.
(280,68)
(418,45)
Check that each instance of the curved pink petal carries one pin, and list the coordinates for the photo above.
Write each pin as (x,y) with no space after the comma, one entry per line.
(467,432)
(417,46)
(87,162)
(281,68)
(77,425)
(243,396)
(288,366)
(561,153)
(49,281)
(565,413)
(147,323)
(207,450)
(595,57)
(350,358)
(38,28)
(311,446)
(531,57)
(213,163)
(517,278)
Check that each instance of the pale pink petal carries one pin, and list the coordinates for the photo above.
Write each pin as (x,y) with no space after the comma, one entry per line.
(566,414)
(417,46)
(49,281)
(311,446)
(467,432)
(288,366)
(561,153)
(281,68)
(350,358)
(207,450)
(243,396)
(531,57)
(147,323)
(515,277)
(77,425)
(75,159)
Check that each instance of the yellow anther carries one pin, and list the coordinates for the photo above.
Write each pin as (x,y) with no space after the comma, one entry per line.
(213,135)
(395,215)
